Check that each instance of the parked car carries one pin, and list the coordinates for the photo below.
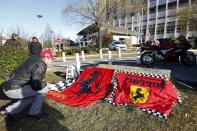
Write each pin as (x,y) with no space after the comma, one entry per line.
(117,44)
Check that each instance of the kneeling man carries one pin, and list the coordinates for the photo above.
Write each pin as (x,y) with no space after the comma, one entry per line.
(27,86)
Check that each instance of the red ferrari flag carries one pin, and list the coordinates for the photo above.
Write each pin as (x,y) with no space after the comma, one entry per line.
(152,93)
(91,86)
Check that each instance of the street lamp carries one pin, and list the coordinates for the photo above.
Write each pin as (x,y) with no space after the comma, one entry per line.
(39,17)
(53,37)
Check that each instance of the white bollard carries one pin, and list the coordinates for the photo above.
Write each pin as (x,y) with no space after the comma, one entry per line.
(119,53)
(63,57)
(110,58)
(101,54)
(83,56)
(138,55)
(78,62)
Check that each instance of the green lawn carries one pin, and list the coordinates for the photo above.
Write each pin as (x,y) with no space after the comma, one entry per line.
(103,116)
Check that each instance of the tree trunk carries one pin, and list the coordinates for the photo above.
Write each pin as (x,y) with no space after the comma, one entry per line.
(99,36)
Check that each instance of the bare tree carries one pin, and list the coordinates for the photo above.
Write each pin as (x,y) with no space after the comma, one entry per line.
(187,18)
(19,30)
(23,35)
(95,12)
(48,37)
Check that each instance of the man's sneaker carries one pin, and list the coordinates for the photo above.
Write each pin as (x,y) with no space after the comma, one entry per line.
(3,112)
(7,116)
(39,116)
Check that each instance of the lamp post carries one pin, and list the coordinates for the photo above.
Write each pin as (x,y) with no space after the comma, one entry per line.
(39,17)
(53,41)
(1,36)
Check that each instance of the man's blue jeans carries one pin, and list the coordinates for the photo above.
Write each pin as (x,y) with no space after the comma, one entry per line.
(27,96)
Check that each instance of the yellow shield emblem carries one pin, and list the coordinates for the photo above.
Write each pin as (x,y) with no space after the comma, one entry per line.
(138,94)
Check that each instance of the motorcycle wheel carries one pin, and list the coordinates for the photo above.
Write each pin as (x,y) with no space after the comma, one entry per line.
(147,58)
(188,59)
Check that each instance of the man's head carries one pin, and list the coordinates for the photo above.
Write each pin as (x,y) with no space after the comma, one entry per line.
(14,36)
(47,56)
(34,39)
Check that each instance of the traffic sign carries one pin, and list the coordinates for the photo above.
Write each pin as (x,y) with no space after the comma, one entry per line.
(58,39)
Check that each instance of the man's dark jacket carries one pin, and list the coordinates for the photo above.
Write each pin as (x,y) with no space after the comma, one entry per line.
(12,42)
(31,72)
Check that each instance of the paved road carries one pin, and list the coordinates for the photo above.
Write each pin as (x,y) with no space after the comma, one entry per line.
(178,71)
(105,56)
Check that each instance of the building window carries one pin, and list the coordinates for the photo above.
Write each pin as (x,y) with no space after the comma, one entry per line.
(152,10)
(144,31)
(172,5)
(151,29)
(170,27)
(152,19)
(160,28)
(170,30)
(161,18)
(161,8)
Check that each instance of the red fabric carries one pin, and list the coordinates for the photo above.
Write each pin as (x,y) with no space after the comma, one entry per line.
(69,97)
(159,99)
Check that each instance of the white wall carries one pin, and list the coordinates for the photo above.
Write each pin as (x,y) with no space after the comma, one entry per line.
(117,37)
(134,39)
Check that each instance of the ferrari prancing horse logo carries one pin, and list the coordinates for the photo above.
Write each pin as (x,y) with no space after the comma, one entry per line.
(138,94)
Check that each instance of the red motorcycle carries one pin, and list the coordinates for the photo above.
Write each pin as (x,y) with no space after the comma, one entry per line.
(165,50)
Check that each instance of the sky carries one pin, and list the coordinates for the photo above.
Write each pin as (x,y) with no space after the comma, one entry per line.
(23,13)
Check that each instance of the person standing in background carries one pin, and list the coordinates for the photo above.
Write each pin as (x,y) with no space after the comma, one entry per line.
(34,42)
(13,41)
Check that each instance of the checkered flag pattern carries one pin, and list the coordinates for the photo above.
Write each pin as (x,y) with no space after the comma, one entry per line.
(61,85)
(114,83)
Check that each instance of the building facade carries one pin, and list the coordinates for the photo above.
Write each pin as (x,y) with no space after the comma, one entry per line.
(157,21)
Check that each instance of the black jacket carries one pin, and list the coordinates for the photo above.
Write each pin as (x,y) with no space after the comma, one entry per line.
(12,42)
(31,72)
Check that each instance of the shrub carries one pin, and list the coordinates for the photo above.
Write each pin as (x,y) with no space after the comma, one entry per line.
(58,54)
(10,59)
(72,51)
(89,50)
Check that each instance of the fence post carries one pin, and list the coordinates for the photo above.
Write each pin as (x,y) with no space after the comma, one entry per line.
(138,55)
(82,54)
(101,54)
(110,58)
(119,53)
(78,62)
(63,57)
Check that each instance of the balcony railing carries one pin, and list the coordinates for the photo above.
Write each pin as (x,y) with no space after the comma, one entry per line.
(160,20)
(152,15)
(161,2)
(161,14)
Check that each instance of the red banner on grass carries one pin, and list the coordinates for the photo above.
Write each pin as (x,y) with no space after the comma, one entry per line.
(91,86)
(157,95)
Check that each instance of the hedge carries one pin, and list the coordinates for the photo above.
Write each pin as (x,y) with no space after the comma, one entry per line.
(73,50)
(10,59)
